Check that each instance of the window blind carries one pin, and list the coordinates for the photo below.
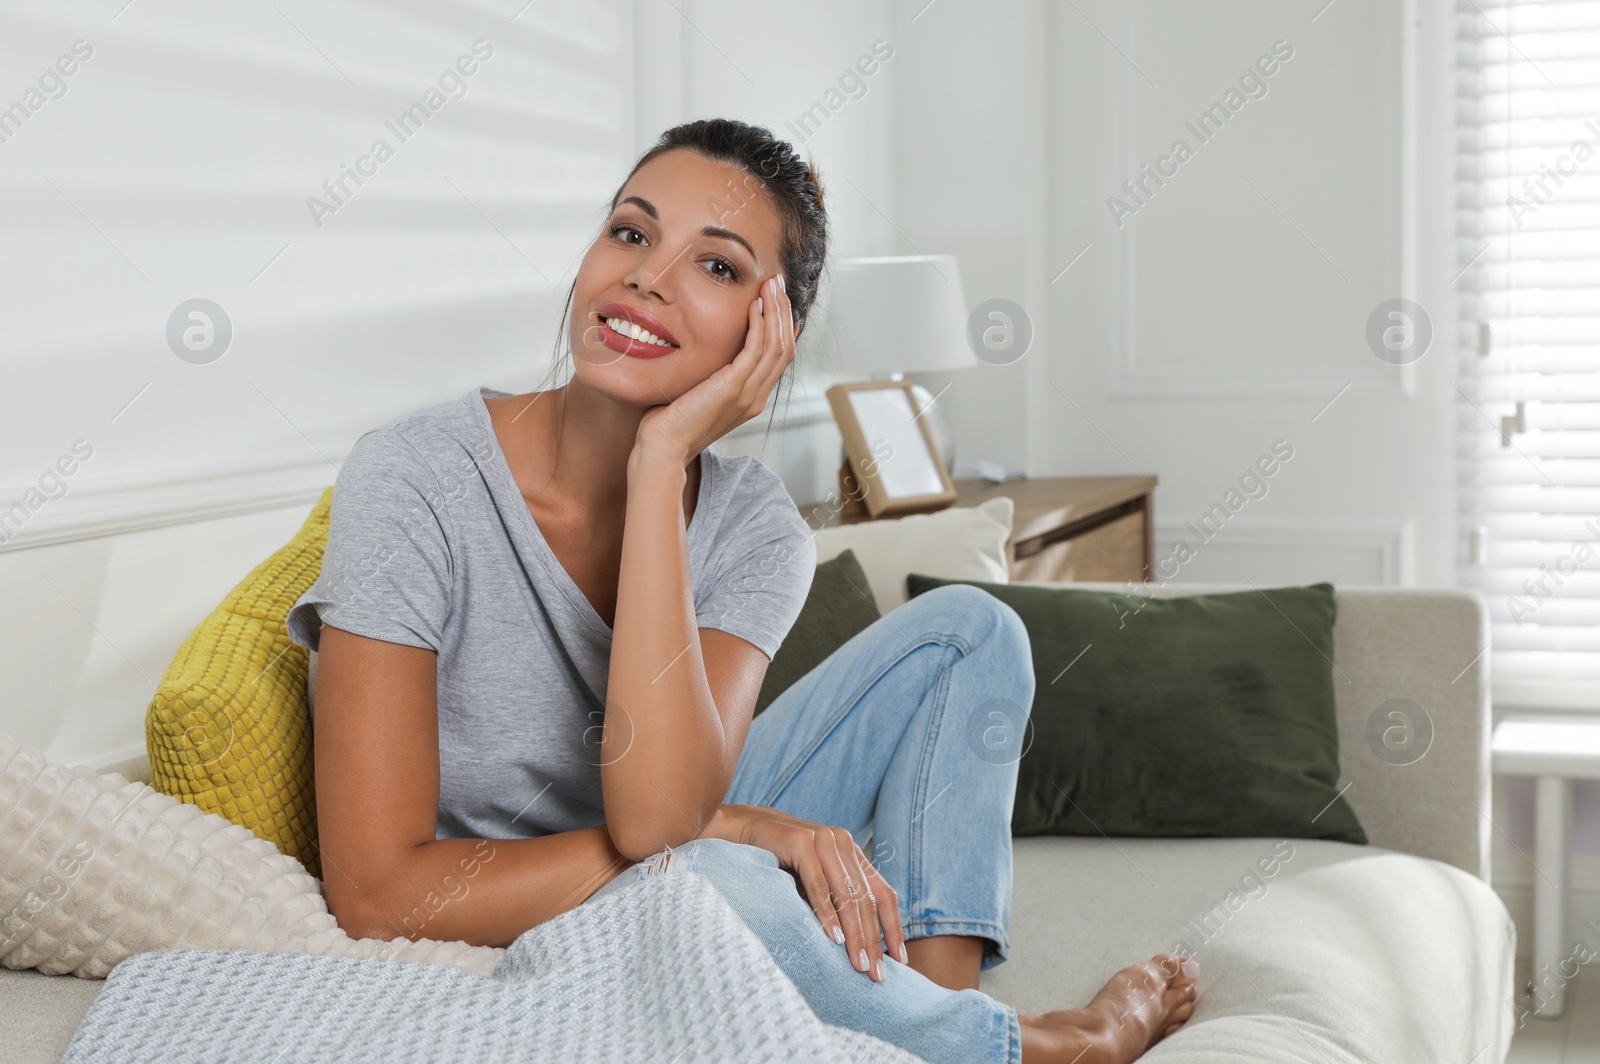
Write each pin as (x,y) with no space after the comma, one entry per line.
(1528,241)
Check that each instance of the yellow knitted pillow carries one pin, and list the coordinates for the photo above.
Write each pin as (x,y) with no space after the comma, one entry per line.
(228,729)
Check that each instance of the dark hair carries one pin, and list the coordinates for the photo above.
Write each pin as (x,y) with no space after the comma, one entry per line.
(792,184)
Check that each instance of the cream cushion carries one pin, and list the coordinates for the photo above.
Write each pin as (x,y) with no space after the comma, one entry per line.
(95,868)
(956,543)
(1344,955)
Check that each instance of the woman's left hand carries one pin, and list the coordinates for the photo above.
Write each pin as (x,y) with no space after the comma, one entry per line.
(850,897)
(735,393)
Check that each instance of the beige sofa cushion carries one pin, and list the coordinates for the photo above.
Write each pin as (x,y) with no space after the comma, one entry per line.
(38,1014)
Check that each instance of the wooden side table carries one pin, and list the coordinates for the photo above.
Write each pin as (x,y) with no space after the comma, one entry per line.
(1063,528)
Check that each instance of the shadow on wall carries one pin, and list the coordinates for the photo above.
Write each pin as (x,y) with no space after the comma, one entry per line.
(51,657)
(103,618)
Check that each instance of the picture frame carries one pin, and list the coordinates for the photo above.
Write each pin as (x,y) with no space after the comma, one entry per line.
(890,448)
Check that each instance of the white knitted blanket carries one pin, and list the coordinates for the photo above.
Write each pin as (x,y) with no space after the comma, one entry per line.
(663,971)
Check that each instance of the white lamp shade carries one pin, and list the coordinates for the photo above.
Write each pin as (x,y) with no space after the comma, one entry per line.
(898,314)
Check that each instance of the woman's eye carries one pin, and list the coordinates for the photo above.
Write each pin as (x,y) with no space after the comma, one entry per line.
(620,231)
(729,272)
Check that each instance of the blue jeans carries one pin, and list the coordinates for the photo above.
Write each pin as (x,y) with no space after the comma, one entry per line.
(908,736)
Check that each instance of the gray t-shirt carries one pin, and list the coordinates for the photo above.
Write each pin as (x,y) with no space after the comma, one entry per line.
(431,544)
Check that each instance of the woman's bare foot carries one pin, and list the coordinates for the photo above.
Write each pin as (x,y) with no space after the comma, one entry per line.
(1138,1007)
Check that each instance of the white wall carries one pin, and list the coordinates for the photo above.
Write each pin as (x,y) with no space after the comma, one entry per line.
(1218,319)
(181,163)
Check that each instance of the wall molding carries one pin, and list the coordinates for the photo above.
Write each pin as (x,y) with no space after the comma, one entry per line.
(94,507)
(1129,380)
(110,505)
(1393,542)
(659,79)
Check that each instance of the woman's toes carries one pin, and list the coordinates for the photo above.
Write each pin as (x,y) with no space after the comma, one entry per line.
(1142,1004)
(1176,968)
(1171,965)
(1176,1019)
(1179,1007)
(1188,969)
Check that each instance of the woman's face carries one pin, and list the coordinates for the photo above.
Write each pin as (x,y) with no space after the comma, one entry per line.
(683,256)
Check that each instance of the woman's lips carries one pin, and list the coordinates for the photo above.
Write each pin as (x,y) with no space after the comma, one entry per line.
(627,345)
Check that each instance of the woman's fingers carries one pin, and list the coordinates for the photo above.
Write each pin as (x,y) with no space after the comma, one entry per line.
(815,882)
(746,365)
(777,350)
(889,914)
(783,350)
(754,394)
(858,914)
(867,900)
(761,361)
(739,391)
(749,355)
(788,326)
(849,914)
(848,895)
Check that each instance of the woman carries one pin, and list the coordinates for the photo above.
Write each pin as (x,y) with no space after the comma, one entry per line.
(543,621)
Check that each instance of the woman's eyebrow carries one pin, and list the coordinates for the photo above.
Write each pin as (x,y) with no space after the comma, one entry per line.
(729,234)
(710,230)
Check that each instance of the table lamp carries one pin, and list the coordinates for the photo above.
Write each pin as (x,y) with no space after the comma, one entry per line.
(900,314)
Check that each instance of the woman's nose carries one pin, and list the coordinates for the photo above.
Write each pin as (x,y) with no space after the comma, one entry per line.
(654,272)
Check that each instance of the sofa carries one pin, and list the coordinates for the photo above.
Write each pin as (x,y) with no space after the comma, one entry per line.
(1397,951)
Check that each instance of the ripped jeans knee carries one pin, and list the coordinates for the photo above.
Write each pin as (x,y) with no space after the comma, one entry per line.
(707,856)
(663,861)
(703,855)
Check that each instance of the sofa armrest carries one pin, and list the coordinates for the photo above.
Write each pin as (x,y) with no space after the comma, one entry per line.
(1430,647)
(1425,646)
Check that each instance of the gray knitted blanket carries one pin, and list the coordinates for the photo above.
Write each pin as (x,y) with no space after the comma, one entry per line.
(665,971)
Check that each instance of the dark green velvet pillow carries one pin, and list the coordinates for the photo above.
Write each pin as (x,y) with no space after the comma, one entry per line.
(1202,715)
(839,605)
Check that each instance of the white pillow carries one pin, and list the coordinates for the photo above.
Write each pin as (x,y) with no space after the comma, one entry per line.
(956,543)
(94,869)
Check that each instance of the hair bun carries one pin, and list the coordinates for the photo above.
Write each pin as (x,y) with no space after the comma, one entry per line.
(814,179)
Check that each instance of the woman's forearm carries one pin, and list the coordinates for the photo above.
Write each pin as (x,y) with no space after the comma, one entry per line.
(482,891)
(664,753)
